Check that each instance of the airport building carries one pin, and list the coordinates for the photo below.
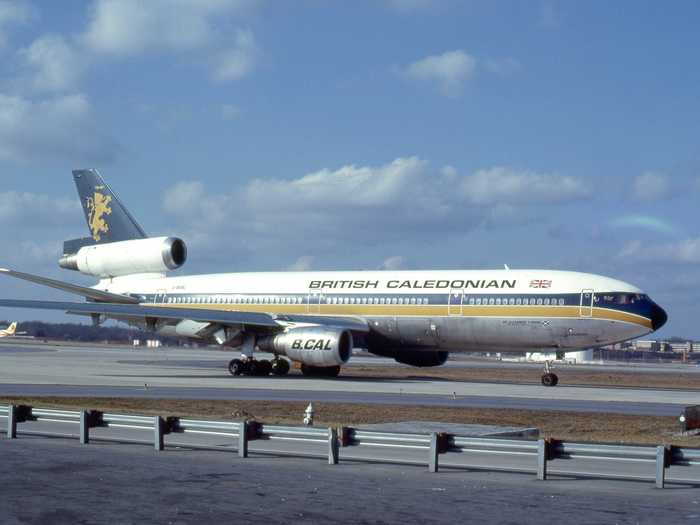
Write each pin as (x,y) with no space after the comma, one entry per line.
(678,347)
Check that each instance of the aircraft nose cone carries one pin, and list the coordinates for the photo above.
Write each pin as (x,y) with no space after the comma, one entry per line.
(658,317)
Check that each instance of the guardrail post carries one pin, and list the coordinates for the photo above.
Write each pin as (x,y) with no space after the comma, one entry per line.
(158,427)
(11,422)
(243,440)
(434,452)
(542,457)
(333,446)
(84,427)
(663,457)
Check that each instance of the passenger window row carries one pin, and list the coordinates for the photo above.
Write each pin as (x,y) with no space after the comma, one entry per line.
(234,300)
(515,301)
(377,300)
(472,301)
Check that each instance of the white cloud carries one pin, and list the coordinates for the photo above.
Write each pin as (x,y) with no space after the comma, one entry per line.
(38,252)
(651,186)
(367,203)
(55,63)
(393,263)
(134,27)
(59,127)
(13,12)
(686,251)
(25,206)
(501,185)
(450,70)
(239,60)
(361,187)
(230,112)
(184,198)
(302,264)
(502,66)
(127,27)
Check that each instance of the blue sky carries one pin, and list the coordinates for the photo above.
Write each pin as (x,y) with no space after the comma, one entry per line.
(325,134)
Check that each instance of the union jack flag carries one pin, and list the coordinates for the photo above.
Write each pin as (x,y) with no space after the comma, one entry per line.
(540,283)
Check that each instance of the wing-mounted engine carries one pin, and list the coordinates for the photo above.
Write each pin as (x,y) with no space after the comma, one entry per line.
(313,346)
(153,255)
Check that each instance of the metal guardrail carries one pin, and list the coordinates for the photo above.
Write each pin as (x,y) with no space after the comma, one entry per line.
(539,455)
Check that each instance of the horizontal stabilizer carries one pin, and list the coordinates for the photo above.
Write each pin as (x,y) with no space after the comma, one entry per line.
(84,291)
(73,246)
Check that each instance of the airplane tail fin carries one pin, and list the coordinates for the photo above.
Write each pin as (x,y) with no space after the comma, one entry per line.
(12,328)
(107,218)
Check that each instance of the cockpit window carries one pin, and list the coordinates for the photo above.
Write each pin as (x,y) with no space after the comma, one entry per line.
(623,299)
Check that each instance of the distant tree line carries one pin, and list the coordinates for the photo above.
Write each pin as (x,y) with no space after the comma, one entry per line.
(89,333)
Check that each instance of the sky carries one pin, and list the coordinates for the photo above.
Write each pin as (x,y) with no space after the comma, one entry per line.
(396,134)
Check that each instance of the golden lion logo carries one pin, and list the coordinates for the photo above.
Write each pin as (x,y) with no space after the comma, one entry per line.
(98,207)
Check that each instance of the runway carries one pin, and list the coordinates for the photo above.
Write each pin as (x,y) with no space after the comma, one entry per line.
(41,370)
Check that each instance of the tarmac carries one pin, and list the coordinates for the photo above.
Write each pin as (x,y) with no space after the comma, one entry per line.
(41,370)
(51,480)
(61,482)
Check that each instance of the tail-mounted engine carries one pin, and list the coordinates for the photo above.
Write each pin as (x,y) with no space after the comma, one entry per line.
(313,346)
(155,255)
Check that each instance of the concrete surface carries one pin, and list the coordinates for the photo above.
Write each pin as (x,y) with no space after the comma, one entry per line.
(59,482)
(185,373)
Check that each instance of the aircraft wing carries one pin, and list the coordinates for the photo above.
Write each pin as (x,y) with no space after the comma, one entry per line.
(84,291)
(155,313)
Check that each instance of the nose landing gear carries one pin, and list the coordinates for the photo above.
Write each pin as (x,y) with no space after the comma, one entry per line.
(549,378)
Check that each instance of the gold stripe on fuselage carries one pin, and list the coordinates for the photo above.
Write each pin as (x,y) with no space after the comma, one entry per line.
(399,310)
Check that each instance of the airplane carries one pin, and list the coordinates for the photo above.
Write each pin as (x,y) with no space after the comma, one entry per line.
(11,331)
(316,318)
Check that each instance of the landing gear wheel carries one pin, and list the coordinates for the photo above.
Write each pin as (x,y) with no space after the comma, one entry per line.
(253,368)
(550,379)
(320,371)
(280,367)
(264,368)
(236,367)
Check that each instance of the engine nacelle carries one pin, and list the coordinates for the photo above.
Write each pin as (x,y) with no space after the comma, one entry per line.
(314,346)
(116,259)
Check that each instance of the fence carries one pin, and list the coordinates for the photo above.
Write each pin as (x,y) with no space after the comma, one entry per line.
(434,450)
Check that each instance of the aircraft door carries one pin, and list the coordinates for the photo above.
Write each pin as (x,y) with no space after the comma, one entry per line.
(454,301)
(586,309)
(314,300)
(159,297)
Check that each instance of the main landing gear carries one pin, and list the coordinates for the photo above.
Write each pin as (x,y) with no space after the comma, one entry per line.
(549,378)
(258,368)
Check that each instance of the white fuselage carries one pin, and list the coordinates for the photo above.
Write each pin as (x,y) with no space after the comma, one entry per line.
(467,310)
